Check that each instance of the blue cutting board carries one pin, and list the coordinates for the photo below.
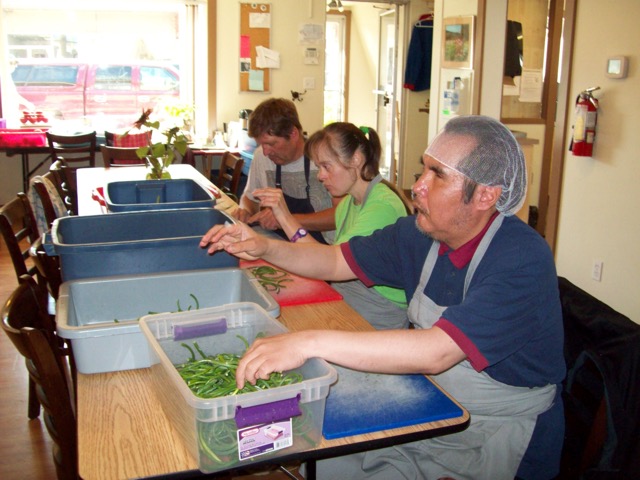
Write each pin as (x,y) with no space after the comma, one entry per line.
(366,402)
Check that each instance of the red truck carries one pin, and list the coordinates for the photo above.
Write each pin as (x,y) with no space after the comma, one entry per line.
(113,93)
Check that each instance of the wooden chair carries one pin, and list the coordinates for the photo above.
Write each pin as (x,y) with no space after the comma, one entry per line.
(65,176)
(229,175)
(53,208)
(73,149)
(408,204)
(50,195)
(120,156)
(26,323)
(19,231)
(139,139)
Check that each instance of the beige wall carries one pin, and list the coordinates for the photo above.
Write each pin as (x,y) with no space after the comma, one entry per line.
(600,199)
(287,18)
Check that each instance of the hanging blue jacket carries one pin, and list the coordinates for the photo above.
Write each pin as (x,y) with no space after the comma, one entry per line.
(417,76)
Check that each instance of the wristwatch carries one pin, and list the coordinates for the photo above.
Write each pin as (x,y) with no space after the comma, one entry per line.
(301,232)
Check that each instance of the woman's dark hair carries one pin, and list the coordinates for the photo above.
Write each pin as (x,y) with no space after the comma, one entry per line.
(274,116)
(341,140)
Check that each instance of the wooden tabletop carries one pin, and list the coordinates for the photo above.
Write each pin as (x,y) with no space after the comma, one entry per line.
(123,431)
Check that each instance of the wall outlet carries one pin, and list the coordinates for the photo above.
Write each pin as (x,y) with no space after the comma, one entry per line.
(596,270)
(309,83)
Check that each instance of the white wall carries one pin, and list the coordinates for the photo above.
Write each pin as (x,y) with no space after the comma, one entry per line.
(600,202)
(363,64)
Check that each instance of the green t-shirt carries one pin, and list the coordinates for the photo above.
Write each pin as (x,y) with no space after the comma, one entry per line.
(381,208)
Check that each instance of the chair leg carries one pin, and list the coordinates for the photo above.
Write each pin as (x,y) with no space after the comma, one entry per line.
(34,403)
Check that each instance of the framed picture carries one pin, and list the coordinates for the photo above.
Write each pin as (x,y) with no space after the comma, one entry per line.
(457,41)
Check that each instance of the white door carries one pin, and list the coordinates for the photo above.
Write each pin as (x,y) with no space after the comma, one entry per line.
(386,103)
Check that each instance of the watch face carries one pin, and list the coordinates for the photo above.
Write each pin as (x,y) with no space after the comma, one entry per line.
(302,232)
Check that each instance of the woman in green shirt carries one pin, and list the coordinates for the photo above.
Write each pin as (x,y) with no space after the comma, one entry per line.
(348,160)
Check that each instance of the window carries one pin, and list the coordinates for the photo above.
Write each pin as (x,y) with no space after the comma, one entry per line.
(113,78)
(97,64)
(26,75)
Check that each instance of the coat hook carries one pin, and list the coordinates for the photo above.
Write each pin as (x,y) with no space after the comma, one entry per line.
(297,96)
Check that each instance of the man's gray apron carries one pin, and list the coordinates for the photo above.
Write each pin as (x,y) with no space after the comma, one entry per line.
(379,311)
(502,416)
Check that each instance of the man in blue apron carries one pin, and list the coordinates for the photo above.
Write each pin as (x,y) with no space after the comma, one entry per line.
(484,304)
(279,162)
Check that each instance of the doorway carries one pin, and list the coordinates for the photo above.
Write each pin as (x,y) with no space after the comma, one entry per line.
(366,93)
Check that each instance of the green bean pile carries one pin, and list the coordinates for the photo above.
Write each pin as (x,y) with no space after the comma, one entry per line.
(214,376)
(271,278)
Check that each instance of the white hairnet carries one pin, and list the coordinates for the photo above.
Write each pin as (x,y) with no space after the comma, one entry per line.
(486,152)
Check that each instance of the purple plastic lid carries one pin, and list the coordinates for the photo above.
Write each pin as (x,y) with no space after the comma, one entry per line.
(268,412)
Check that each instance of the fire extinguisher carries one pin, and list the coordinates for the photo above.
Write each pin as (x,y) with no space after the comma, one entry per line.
(584,128)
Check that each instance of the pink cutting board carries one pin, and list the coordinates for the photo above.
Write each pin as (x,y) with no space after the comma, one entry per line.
(300,290)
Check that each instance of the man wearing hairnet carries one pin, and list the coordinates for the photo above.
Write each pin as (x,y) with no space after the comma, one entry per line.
(484,301)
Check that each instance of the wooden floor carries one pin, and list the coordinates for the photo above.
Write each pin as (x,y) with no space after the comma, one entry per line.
(25,447)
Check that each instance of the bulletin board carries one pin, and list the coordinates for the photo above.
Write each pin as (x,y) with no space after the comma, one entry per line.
(255,30)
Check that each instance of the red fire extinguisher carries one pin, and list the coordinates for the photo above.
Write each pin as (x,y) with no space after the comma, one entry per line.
(584,128)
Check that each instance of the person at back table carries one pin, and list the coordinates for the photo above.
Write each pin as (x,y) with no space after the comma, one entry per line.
(484,302)
(279,162)
(348,160)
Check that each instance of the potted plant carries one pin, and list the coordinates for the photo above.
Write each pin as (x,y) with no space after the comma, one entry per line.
(159,154)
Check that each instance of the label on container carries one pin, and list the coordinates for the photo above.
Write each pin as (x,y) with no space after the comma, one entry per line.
(264,438)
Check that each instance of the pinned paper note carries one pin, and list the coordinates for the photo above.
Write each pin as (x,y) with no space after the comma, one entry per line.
(256,80)
(260,20)
(267,58)
(531,85)
(245,46)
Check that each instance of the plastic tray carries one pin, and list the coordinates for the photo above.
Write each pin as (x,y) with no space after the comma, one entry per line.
(290,417)
(100,315)
(156,195)
(129,243)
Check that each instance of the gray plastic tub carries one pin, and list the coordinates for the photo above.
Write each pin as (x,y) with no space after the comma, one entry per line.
(100,315)
(130,243)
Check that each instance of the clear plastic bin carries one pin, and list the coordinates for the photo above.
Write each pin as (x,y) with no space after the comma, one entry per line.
(236,430)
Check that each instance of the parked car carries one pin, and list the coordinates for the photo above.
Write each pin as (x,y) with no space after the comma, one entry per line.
(113,93)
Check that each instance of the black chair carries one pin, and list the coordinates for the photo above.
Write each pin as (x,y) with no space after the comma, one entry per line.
(601,392)
(26,323)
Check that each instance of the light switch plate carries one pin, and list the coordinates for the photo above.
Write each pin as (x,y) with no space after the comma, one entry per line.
(309,83)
